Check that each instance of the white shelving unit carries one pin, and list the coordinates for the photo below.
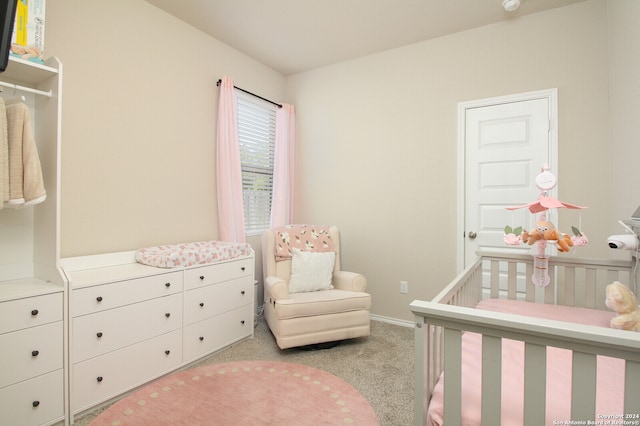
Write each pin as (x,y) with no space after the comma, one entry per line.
(30,236)
(32,287)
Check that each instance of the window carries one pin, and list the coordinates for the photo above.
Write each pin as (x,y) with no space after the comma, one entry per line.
(257,135)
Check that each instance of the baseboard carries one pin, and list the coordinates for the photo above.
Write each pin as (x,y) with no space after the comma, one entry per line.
(394,321)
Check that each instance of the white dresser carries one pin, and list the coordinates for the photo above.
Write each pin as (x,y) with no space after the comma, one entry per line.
(218,306)
(31,339)
(131,323)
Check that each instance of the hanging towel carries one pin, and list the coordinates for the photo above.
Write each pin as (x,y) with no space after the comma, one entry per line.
(4,155)
(26,186)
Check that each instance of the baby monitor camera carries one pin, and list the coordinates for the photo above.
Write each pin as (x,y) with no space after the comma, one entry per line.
(624,242)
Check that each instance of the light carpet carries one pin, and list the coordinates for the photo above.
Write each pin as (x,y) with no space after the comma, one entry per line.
(243,393)
(379,366)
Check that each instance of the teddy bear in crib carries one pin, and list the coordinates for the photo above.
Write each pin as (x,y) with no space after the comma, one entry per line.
(622,300)
(546,230)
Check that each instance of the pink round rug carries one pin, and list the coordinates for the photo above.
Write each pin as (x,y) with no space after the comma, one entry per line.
(243,393)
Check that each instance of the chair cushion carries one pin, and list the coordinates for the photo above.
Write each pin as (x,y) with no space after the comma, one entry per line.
(321,303)
(311,271)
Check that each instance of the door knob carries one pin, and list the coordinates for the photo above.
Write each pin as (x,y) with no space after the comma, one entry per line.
(472,235)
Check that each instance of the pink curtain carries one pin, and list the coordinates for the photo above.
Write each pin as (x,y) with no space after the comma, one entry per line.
(228,167)
(282,197)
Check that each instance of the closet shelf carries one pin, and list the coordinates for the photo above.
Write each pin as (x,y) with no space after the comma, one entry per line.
(19,70)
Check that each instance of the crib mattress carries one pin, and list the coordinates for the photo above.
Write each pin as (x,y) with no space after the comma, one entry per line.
(610,382)
(188,254)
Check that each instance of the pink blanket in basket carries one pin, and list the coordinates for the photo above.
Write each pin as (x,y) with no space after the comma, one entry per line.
(610,382)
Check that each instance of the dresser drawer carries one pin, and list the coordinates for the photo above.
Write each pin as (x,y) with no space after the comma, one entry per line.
(216,332)
(216,273)
(105,331)
(98,298)
(104,377)
(205,302)
(30,352)
(23,313)
(33,402)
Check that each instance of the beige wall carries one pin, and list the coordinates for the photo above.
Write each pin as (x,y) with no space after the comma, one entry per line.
(624,97)
(139,113)
(377,141)
(376,136)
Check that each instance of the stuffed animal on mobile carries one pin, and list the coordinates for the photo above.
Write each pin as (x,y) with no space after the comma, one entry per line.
(546,230)
(621,300)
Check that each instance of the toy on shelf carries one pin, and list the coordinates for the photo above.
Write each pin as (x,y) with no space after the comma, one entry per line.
(545,231)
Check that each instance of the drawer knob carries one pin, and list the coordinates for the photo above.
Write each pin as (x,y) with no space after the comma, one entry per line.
(242,292)
(242,322)
(202,277)
(99,379)
(167,285)
(99,334)
(35,353)
(35,403)
(34,312)
(167,352)
(99,299)
(243,268)
(201,338)
(168,314)
(201,304)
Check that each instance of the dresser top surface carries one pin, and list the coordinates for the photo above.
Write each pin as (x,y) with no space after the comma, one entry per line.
(86,275)
(27,287)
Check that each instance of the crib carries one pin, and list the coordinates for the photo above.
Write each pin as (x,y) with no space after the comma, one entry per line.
(441,326)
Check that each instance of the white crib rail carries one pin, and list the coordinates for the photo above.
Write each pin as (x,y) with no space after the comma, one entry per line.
(441,323)
(586,341)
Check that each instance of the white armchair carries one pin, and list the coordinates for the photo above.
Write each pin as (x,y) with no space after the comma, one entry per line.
(308,299)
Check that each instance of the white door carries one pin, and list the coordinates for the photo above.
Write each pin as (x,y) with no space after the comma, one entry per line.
(505,142)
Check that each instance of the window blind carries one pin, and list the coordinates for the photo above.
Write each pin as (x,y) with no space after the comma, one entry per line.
(257,135)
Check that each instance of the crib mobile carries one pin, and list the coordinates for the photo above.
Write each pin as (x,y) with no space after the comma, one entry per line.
(545,232)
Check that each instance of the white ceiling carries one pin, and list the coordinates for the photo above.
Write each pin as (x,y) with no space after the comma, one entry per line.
(292,36)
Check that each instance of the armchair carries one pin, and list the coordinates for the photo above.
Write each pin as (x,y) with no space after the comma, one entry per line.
(308,299)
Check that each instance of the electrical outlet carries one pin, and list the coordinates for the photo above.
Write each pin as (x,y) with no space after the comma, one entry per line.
(404,287)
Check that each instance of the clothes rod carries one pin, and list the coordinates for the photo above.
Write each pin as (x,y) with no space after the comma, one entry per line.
(26,89)
(252,94)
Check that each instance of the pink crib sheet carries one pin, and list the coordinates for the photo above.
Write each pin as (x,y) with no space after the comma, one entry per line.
(610,381)
(188,254)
